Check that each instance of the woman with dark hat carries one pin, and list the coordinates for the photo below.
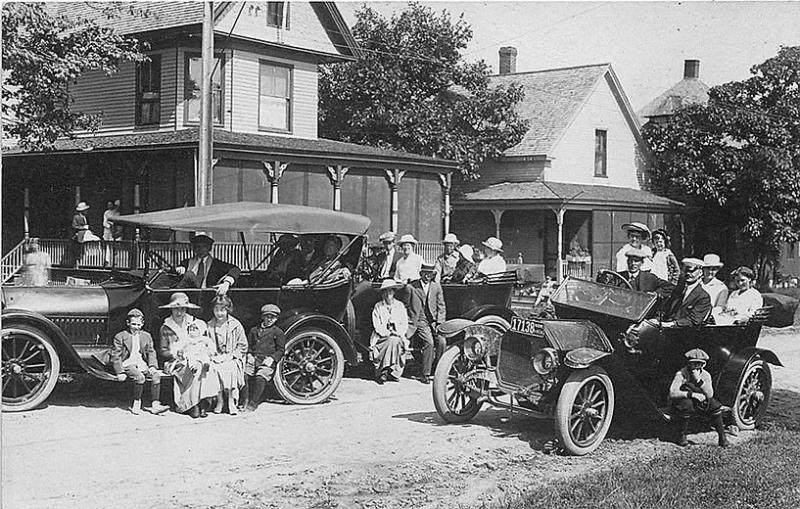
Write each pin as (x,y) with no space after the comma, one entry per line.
(665,263)
(387,343)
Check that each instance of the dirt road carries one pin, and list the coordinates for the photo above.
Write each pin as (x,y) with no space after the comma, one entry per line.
(373,447)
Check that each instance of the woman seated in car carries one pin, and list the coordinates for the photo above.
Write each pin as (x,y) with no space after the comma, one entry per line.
(742,302)
(390,324)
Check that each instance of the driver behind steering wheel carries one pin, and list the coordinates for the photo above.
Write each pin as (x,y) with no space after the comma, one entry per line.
(642,281)
(204,271)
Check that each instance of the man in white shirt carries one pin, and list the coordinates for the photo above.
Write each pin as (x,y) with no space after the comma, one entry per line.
(715,288)
(447,261)
(392,254)
(204,271)
(408,266)
(493,262)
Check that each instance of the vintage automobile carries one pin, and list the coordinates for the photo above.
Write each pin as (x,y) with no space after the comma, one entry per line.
(66,329)
(602,353)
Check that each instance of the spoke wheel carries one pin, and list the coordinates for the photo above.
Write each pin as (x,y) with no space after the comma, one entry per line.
(494,321)
(584,410)
(451,395)
(30,368)
(752,395)
(311,368)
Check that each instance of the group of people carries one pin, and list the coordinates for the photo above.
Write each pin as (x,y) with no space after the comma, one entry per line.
(82,233)
(690,292)
(215,366)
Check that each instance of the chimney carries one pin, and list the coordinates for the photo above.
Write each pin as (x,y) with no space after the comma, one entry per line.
(691,69)
(508,60)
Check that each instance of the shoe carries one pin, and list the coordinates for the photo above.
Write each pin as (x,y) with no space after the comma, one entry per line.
(157,408)
(424,379)
(723,441)
(380,379)
(136,407)
(194,412)
(391,378)
(203,413)
(683,441)
(232,408)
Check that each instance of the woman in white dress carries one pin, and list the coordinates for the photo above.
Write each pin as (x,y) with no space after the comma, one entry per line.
(742,302)
(231,341)
(387,343)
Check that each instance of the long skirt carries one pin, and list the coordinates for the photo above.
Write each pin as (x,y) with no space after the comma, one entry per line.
(388,355)
(231,374)
(191,387)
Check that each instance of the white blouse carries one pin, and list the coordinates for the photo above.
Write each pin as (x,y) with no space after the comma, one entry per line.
(740,307)
(388,320)
(494,265)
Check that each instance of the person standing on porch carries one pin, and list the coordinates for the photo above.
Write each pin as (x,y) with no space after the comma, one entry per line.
(493,262)
(111,233)
(408,266)
(81,233)
(447,261)
(637,232)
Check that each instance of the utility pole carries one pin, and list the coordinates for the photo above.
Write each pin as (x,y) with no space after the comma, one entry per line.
(205,180)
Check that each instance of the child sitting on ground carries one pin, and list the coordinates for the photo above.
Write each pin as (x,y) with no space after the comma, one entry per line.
(266,345)
(133,357)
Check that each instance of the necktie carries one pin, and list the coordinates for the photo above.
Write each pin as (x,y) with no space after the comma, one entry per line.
(201,273)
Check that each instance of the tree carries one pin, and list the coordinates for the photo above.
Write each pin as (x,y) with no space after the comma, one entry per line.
(42,55)
(412,91)
(737,159)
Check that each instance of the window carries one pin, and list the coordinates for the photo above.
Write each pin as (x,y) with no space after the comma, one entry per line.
(278,14)
(192,82)
(275,98)
(600,153)
(148,91)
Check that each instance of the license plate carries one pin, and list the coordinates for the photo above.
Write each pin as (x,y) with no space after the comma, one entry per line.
(526,326)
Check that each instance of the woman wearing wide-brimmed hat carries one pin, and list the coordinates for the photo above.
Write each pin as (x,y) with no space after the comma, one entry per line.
(637,233)
(665,263)
(465,267)
(387,343)
(493,263)
(80,232)
(408,265)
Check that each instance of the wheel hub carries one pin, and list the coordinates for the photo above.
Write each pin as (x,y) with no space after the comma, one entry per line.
(16,369)
(589,412)
(309,367)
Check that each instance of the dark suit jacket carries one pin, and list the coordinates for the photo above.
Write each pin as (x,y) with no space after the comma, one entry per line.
(218,270)
(431,308)
(647,282)
(690,312)
(121,351)
(392,266)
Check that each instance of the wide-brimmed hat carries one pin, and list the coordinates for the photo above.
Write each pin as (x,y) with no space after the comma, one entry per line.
(270,309)
(427,267)
(466,251)
(696,355)
(450,238)
(636,253)
(390,284)
(407,239)
(696,263)
(82,206)
(179,300)
(494,244)
(387,237)
(637,227)
(712,260)
(201,237)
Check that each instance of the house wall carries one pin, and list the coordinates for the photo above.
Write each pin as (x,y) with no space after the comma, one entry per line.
(494,172)
(573,157)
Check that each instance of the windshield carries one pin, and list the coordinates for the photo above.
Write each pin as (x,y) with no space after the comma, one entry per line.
(599,298)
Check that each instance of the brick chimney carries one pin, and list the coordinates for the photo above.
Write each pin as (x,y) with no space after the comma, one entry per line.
(508,60)
(691,69)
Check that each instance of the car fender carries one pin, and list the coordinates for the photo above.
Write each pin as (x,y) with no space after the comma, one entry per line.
(488,309)
(728,380)
(66,353)
(296,320)
(583,357)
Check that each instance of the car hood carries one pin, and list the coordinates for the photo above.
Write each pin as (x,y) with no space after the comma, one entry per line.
(57,300)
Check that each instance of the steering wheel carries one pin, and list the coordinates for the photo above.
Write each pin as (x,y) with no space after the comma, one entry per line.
(160,262)
(611,278)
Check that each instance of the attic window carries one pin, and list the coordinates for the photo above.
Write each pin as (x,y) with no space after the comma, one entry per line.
(278,14)
(600,153)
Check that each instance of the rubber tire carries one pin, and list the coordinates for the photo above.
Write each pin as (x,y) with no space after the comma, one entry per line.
(349,320)
(289,395)
(494,321)
(55,367)
(440,379)
(577,379)
(737,419)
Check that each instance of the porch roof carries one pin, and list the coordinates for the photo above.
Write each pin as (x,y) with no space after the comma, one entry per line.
(261,146)
(542,194)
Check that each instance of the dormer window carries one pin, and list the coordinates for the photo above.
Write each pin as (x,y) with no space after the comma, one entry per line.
(278,14)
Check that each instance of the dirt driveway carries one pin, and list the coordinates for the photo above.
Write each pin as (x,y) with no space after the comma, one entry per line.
(373,447)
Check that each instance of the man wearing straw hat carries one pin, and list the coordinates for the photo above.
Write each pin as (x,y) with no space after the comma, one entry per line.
(388,262)
(204,271)
(447,261)
(715,288)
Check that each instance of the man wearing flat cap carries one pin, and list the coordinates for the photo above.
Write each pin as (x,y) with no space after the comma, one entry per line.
(388,260)
(690,304)
(204,271)
(644,281)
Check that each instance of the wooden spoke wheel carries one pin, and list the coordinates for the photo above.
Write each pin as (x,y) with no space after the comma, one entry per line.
(584,410)
(451,394)
(311,368)
(752,395)
(30,368)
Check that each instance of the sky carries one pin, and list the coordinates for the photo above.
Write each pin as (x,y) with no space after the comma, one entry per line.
(645,42)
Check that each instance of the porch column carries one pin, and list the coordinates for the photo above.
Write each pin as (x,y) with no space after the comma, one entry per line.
(498,215)
(77,194)
(560,262)
(446,181)
(336,175)
(26,198)
(274,172)
(393,177)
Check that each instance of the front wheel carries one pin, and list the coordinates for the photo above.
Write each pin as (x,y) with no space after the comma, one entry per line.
(451,394)
(497,322)
(584,410)
(311,368)
(30,368)
(752,395)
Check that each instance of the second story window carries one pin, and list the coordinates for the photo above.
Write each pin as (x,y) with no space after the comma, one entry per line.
(600,153)
(275,98)
(278,14)
(148,91)
(192,81)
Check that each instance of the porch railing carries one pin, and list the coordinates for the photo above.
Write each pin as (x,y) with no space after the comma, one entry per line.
(12,262)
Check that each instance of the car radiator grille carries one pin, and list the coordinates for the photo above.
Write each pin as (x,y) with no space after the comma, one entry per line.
(514,369)
(82,330)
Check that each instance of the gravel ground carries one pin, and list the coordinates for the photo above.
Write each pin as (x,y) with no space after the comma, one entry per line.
(371,447)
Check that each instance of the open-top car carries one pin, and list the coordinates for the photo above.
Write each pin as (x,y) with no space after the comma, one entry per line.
(63,328)
(601,353)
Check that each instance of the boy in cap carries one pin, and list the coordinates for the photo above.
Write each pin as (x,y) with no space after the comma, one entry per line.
(692,392)
(133,357)
(266,345)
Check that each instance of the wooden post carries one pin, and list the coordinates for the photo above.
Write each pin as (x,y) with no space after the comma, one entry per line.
(274,172)
(26,200)
(394,177)
(560,262)
(498,215)
(446,181)
(77,194)
(206,150)
(336,175)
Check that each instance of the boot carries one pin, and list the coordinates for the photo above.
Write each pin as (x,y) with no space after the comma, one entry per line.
(683,427)
(136,407)
(720,428)
(232,403)
(220,401)
(157,408)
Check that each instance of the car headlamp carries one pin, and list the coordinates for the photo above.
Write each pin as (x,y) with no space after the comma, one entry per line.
(545,361)
(474,348)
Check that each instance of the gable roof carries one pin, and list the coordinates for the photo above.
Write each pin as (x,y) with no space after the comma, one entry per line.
(684,93)
(553,98)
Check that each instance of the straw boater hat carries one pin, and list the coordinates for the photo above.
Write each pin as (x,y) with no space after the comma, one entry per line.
(450,238)
(389,284)
(407,239)
(270,309)
(494,244)
(201,237)
(696,263)
(179,300)
(387,237)
(696,355)
(636,253)
(466,251)
(82,206)
(639,228)
(712,260)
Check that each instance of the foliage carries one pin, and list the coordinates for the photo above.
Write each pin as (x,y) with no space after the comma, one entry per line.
(42,55)
(738,160)
(412,91)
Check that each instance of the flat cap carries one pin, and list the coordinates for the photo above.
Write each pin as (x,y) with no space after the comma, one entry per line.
(270,309)
(696,355)
(636,253)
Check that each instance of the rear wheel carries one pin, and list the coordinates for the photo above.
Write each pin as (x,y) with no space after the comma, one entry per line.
(752,395)
(494,321)
(30,368)
(451,394)
(584,410)
(311,368)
